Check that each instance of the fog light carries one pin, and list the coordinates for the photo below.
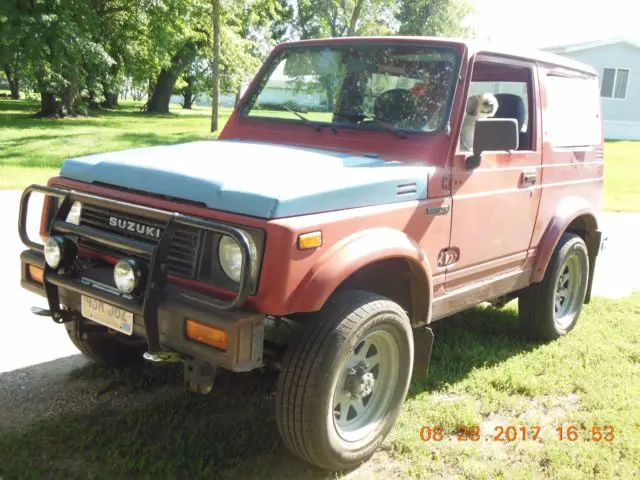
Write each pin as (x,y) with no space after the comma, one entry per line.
(53,252)
(208,335)
(59,251)
(127,274)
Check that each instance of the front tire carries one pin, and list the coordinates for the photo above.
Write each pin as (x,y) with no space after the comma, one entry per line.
(344,380)
(550,309)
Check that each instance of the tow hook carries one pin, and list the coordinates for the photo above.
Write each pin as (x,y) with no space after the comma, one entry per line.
(199,376)
(162,357)
(62,316)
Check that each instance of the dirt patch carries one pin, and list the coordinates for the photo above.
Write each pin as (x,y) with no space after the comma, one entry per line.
(545,410)
(71,385)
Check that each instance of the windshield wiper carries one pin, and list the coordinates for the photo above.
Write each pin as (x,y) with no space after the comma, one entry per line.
(316,126)
(364,116)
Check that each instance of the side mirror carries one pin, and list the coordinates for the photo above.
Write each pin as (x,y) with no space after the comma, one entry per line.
(493,134)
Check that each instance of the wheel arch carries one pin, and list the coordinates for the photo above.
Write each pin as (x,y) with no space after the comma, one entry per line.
(574,215)
(381,260)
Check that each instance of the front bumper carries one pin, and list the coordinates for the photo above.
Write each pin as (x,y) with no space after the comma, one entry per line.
(160,310)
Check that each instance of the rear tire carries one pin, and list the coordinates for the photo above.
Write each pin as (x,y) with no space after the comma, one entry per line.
(550,309)
(344,379)
(111,350)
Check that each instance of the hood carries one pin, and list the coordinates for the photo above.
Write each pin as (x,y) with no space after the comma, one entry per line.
(261,180)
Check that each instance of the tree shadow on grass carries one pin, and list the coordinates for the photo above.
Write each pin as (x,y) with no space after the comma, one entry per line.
(230,433)
(19,105)
(23,119)
(480,337)
(150,138)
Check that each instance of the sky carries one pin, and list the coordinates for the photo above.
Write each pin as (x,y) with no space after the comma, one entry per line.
(542,23)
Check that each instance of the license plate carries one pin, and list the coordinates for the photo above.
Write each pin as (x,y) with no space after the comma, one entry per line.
(107,315)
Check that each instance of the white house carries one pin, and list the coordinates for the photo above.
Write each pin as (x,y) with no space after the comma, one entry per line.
(617,61)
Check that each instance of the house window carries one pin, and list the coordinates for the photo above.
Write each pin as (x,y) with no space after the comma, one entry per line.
(614,83)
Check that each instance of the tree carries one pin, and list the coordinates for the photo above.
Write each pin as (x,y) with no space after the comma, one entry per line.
(180,31)
(13,78)
(339,18)
(215,65)
(11,39)
(194,82)
(164,85)
(54,48)
(441,18)
(247,31)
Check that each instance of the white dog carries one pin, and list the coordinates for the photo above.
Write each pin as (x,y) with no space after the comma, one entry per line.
(484,105)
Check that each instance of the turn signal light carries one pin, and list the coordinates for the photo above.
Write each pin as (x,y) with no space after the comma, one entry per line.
(310,240)
(208,335)
(36,274)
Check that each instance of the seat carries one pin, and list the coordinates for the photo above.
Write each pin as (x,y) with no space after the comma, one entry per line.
(397,107)
(512,106)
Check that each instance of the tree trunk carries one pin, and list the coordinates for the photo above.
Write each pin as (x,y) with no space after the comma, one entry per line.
(238,94)
(111,87)
(188,98)
(215,92)
(355,16)
(328,86)
(49,106)
(70,97)
(161,96)
(14,82)
(110,97)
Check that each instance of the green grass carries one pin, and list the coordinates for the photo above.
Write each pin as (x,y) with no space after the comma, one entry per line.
(31,143)
(622,176)
(28,143)
(16,178)
(482,373)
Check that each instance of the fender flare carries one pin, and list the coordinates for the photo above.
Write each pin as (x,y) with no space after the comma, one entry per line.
(355,252)
(567,211)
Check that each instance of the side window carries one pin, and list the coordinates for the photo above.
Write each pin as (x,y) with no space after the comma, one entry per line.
(505,92)
(573,111)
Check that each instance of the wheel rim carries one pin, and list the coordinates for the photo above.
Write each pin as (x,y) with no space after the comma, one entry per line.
(568,288)
(366,385)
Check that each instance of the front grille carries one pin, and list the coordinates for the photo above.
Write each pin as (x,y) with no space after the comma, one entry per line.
(183,254)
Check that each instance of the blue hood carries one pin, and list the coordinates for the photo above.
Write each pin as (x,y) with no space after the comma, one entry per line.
(256,179)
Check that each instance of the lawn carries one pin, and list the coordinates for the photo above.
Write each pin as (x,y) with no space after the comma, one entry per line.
(32,150)
(622,176)
(483,374)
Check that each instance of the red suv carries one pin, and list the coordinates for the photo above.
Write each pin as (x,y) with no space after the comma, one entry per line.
(362,189)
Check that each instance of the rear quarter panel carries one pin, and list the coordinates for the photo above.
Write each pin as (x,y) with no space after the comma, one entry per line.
(572,182)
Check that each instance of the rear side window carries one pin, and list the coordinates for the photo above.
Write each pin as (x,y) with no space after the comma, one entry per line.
(573,111)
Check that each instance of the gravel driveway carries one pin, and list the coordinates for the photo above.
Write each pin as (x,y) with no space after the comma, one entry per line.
(36,356)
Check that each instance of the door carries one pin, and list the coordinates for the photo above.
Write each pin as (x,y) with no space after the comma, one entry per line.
(494,206)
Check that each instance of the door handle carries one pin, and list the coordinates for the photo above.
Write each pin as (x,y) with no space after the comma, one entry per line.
(528,178)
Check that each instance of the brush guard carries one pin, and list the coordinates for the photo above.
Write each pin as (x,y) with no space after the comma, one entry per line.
(145,305)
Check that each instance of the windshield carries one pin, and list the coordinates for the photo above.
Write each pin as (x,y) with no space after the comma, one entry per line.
(366,86)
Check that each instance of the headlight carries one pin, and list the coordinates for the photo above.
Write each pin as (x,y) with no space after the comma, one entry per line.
(126,275)
(231,257)
(53,251)
(74,213)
